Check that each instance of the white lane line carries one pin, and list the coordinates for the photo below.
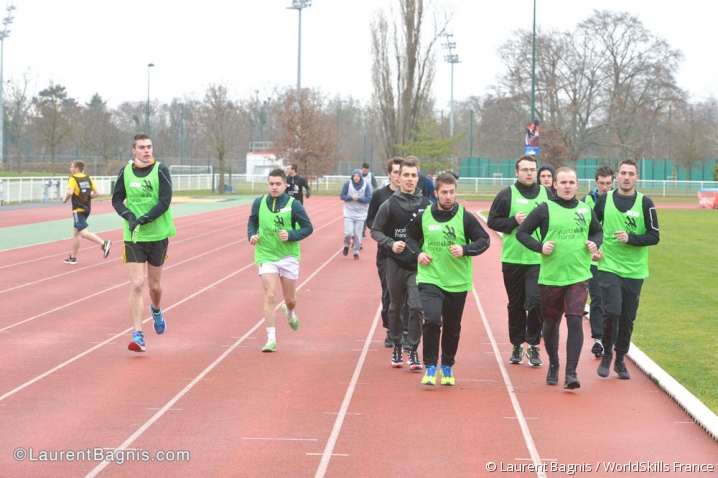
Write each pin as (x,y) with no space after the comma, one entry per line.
(533,452)
(202,374)
(280,439)
(334,436)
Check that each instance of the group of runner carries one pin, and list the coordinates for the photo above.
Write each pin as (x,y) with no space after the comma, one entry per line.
(555,250)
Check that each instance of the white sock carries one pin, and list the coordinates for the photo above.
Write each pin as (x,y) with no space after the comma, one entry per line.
(290,312)
(271,334)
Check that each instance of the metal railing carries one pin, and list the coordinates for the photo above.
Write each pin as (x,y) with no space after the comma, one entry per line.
(39,188)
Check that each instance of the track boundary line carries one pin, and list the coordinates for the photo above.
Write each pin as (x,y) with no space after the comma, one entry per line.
(334,435)
(202,374)
(530,445)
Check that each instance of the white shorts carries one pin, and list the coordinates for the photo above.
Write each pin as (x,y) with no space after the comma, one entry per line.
(287,266)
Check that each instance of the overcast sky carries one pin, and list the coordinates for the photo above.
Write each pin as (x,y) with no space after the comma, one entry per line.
(104,46)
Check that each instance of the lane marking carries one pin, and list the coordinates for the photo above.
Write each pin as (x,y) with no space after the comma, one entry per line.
(280,439)
(331,443)
(202,374)
(533,452)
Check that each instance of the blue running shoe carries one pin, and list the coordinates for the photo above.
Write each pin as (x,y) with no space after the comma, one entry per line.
(429,376)
(447,376)
(138,342)
(160,324)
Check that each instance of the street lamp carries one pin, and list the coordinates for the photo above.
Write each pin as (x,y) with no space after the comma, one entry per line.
(451,58)
(3,35)
(533,70)
(147,110)
(298,5)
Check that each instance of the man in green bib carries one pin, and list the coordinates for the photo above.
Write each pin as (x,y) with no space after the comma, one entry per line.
(276,225)
(142,197)
(444,238)
(630,226)
(520,266)
(571,235)
(604,183)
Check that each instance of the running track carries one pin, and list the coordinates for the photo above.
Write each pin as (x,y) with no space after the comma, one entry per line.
(326,404)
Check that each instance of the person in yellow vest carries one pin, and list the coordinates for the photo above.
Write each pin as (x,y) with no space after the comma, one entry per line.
(444,238)
(520,266)
(570,234)
(630,226)
(82,189)
(276,224)
(142,197)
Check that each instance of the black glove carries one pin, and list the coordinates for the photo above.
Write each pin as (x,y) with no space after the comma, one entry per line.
(138,222)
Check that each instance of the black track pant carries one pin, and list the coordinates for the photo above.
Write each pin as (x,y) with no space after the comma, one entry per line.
(441,307)
(619,299)
(521,282)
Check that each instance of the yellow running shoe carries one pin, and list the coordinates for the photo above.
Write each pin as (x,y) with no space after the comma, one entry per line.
(447,376)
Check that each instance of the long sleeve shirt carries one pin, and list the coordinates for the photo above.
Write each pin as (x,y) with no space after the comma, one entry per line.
(650,217)
(165,195)
(299,216)
(475,237)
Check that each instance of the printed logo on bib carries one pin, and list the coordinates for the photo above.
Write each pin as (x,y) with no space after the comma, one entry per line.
(579,218)
(631,225)
(278,222)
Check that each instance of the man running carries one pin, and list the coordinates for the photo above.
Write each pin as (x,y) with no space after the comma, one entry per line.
(82,189)
(519,265)
(571,235)
(377,199)
(630,226)
(389,231)
(604,183)
(444,239)
(356,194)
(296,184)
(142,197)
(276,225)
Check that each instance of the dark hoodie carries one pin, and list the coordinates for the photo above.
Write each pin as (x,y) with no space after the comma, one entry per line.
(553,178)
(391,221)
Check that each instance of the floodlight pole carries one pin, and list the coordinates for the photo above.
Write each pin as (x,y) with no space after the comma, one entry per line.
(147,109)
(3,35)
(451,58)
(533,70)
(299,5)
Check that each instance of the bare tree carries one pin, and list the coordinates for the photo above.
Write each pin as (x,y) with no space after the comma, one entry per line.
(306,135)
(403,71)
(54,115)
(17,109)
(217,121)
(694,130)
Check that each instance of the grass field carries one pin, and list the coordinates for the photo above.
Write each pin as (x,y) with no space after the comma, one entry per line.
(677,322)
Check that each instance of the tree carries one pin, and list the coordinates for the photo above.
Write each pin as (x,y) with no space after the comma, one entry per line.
(402,72)
(306,135)
(693,130)
(430,147)
(17,111)
(217,121)
(54,115)
(97,134)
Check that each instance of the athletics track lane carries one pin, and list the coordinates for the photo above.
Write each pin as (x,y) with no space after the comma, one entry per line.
(391,420)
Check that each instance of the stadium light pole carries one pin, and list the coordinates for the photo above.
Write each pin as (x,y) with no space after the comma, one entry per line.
(533,70)
(451,58)
(147,109)
(299,5)
(3,35)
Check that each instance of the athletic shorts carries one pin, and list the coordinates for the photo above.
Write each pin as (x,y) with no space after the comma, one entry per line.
(559,300)
(154,253)
(287,266)
(80,219)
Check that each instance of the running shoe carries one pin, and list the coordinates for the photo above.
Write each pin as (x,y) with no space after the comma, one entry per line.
(429,376)
(517,355)
(603,368)
(619,366)
(356,256)
(270,346)
(160,325)
(70,260)
(597,348)
(533,354)
(292,319)
(138,342)
(345,251)
(106,248)
(397,357)
(571,381)
(447,376)
(414,362)
(552,375)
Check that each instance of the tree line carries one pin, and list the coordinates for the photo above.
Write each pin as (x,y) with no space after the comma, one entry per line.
(604,89)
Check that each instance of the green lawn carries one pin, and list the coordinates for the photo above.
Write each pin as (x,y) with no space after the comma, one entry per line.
(677,322)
